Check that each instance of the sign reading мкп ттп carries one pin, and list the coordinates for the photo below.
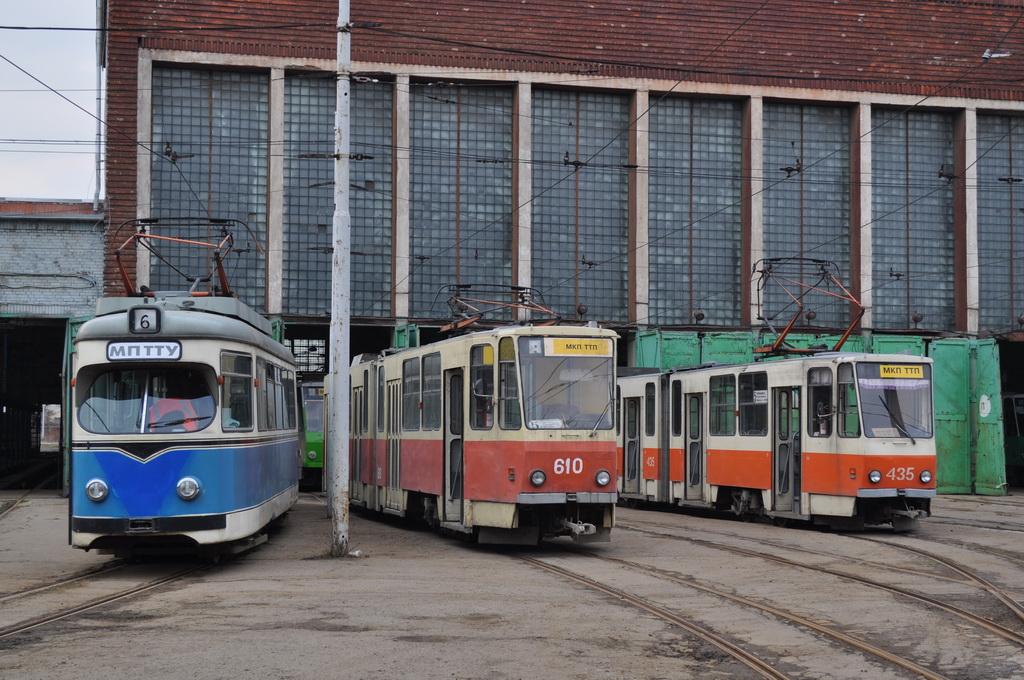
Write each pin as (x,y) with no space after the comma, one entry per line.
(127,351)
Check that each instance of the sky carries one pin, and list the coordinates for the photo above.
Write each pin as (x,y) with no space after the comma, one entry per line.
(47,144)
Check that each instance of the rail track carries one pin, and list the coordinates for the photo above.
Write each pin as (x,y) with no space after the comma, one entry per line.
(997,525)
(19,611)
(934,582)
(969,578)
(723,641)
(736,651)
(970,575)
(9,504)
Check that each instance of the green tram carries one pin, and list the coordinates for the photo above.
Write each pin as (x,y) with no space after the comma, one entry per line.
(313,407)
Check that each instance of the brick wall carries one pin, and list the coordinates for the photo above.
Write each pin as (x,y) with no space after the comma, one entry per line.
(51,265)
(918,49)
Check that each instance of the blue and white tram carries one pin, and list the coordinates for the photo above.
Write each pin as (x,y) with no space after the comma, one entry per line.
(186,430)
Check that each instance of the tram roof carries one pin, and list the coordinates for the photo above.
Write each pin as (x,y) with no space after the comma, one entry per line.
(223,306)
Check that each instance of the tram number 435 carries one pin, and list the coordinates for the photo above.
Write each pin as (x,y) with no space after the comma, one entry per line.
(900,474)
(568,466)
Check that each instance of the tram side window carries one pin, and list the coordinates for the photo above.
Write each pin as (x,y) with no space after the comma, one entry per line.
(364,424)
(379,398)
(847,409)
(275,396)
(723,405)
(650,409)
(432,391)
(261,393)
(356,404)
(290,397)
(236,392)
(509,414)
(411,394)
(481,375)
(754,404)
(677,408)
(819,383)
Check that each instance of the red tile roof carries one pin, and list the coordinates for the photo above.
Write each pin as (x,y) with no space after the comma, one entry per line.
(902,46)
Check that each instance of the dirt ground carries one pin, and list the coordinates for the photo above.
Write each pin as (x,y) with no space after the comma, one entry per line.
(415,605)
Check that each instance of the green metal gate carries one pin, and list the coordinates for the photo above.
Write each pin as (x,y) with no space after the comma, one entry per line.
(952,372)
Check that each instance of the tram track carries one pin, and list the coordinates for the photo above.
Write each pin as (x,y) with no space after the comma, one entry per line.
(99,571)
(995,525)
(11,504)
(968,577)
(970,617)
(734,649)
(34,599)
(781,545)
(982,583)
(8,505)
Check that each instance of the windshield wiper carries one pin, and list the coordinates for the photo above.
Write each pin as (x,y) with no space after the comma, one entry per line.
(896,421)
(600,416)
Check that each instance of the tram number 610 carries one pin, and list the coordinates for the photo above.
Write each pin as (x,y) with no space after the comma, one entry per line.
(566,466)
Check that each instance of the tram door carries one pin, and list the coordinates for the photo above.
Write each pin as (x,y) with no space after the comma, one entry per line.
(454,423)
(786,454)
(695,452)
(392,489)
(631,445)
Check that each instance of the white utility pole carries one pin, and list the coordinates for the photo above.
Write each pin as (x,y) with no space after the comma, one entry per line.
(337,443)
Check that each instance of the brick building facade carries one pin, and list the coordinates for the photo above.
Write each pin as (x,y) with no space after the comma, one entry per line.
(634,160)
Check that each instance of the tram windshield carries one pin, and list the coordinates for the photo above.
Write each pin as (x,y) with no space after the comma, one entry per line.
(147,401)
(896,399)
(568,383)
(313,402)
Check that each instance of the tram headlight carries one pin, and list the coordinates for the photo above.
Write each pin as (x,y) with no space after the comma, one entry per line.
(875,476)
(603,478)
(188,488)
(537,477)
(96,490)
(926,476)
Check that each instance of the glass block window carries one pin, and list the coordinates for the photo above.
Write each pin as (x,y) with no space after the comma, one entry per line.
(309,195)
(580,202)
(912,233)
(695,226)
(1000,221)
(371,189)
(210,160)
(461,190)
(807,207)
(310,354)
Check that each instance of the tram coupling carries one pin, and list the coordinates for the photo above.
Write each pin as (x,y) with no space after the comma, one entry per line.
(577,529)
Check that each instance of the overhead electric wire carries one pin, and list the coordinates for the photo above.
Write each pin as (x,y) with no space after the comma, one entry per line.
(532,198)
(771,185)
(104,123)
